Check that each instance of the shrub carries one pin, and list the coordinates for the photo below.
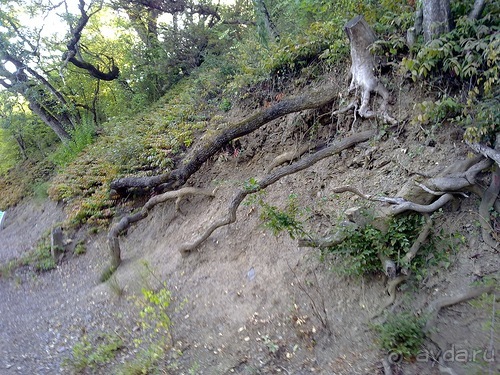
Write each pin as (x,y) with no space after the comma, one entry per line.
(360,249)
(401,335)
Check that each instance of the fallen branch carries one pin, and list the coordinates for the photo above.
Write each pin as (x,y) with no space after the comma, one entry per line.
(271,178)
(126,221)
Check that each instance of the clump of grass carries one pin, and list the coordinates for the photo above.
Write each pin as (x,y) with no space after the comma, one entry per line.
(93,352)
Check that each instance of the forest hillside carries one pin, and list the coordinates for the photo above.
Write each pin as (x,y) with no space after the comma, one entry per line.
(249,187)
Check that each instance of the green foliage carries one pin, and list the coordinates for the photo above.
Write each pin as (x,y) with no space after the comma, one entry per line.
(466,58)
(154,310)
(402,334)
(8,152)
(278,220)
(40,259)
(80,249)
(155,325)
(106,274)
(252,185)
(435,253)
(145,144)
(81,137)
(360,250)
(145,362)
(436,112)
(90,353)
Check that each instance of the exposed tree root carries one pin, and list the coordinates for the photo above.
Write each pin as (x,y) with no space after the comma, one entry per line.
(329,241)
(387,367)
(487,202)
(287,157)
(391,290)
(273,177)
(422,237)
(486,151)
(210,145)
(127,221)
(461,175)
(433,311)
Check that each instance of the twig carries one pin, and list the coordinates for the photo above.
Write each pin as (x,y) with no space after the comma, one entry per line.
(323,319)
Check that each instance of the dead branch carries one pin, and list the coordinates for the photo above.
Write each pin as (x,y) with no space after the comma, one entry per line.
(126,221)
(273,177)
(487,202)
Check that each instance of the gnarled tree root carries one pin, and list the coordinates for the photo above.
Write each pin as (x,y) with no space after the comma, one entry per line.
(391,290)
(433,311)
(127,221)
(487,202)
(287,157)
(273,177)
(212,144)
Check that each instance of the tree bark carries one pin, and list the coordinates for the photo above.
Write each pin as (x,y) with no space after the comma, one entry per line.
(361,37)
(477,9)
(436,18)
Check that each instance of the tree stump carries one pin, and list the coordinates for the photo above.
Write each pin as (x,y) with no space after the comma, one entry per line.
(361,37)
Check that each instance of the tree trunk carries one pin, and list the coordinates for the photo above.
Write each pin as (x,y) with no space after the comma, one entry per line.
(436,18)
(50,120)
(477,10)
(261,10)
